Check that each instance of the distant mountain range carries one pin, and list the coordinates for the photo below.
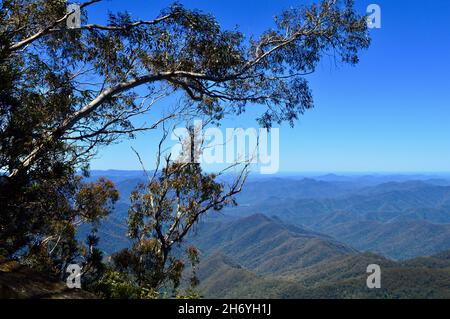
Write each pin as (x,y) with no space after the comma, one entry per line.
(399,220)
(267,245)
(295,237)
(289,262)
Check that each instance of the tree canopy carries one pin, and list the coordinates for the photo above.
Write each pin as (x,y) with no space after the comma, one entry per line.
(65,92)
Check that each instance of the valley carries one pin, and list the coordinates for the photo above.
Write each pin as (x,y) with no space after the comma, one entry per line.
(295,237)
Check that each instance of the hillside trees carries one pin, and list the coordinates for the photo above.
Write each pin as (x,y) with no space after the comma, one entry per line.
(163,212)
(66,92)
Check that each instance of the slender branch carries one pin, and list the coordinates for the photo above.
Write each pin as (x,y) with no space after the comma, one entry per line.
(118,28)
(19,45)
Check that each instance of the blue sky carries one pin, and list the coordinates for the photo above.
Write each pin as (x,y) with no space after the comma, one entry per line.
(390,113)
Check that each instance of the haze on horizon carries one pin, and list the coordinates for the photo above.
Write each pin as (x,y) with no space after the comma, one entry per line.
(378,117)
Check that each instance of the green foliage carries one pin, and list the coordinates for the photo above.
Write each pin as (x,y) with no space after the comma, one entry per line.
(188,293)
(115,285)
(161,215)
(67,92)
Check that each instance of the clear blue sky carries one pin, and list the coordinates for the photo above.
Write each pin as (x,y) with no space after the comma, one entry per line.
(390,113)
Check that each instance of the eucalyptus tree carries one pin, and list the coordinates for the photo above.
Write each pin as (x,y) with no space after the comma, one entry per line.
(66,92)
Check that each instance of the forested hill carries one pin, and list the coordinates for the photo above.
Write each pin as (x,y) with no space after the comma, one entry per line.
(287,262)
(393,216)
(293,237)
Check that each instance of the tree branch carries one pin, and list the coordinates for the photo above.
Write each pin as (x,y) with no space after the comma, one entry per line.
(19,45)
